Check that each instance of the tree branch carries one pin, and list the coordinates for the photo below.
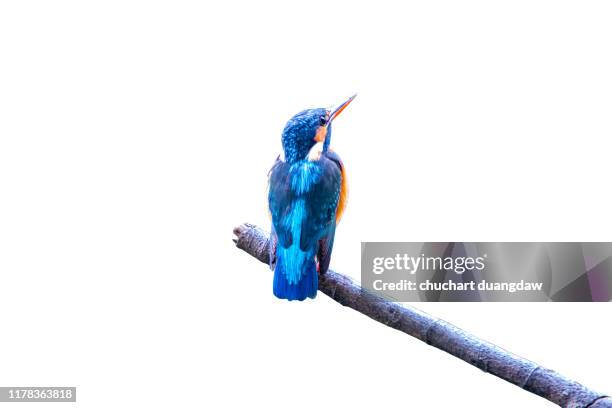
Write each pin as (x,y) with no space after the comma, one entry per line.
(440,334)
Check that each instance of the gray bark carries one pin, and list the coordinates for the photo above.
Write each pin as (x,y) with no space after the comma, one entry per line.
(440,334)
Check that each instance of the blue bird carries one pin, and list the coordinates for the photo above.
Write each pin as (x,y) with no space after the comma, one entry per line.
(306,197)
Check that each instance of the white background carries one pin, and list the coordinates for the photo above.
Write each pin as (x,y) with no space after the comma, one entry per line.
(135,135)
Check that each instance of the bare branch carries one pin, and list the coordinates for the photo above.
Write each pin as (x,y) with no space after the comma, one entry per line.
(440,334)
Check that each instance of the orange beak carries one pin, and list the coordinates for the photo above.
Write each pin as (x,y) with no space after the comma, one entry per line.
(339,109)
(322,130)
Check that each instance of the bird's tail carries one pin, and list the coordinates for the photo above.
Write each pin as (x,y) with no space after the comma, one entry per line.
(295,274)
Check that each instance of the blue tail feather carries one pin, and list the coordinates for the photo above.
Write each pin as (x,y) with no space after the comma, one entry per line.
(295,274)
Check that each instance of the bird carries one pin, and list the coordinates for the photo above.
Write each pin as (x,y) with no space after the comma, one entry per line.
(307,193)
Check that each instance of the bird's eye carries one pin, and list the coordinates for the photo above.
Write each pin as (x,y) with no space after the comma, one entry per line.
(322,120)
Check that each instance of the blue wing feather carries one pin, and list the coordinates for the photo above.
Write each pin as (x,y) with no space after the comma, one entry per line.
(326,243)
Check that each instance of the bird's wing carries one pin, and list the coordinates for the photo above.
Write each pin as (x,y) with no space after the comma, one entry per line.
(321,202)
(326,243)
(280,197)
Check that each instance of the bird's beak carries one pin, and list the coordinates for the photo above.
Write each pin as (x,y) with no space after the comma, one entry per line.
(331,115)
(339,109)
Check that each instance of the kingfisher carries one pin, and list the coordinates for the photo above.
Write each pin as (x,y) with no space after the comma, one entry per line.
(307,193)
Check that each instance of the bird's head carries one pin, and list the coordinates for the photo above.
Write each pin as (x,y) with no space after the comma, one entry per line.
(307,129)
